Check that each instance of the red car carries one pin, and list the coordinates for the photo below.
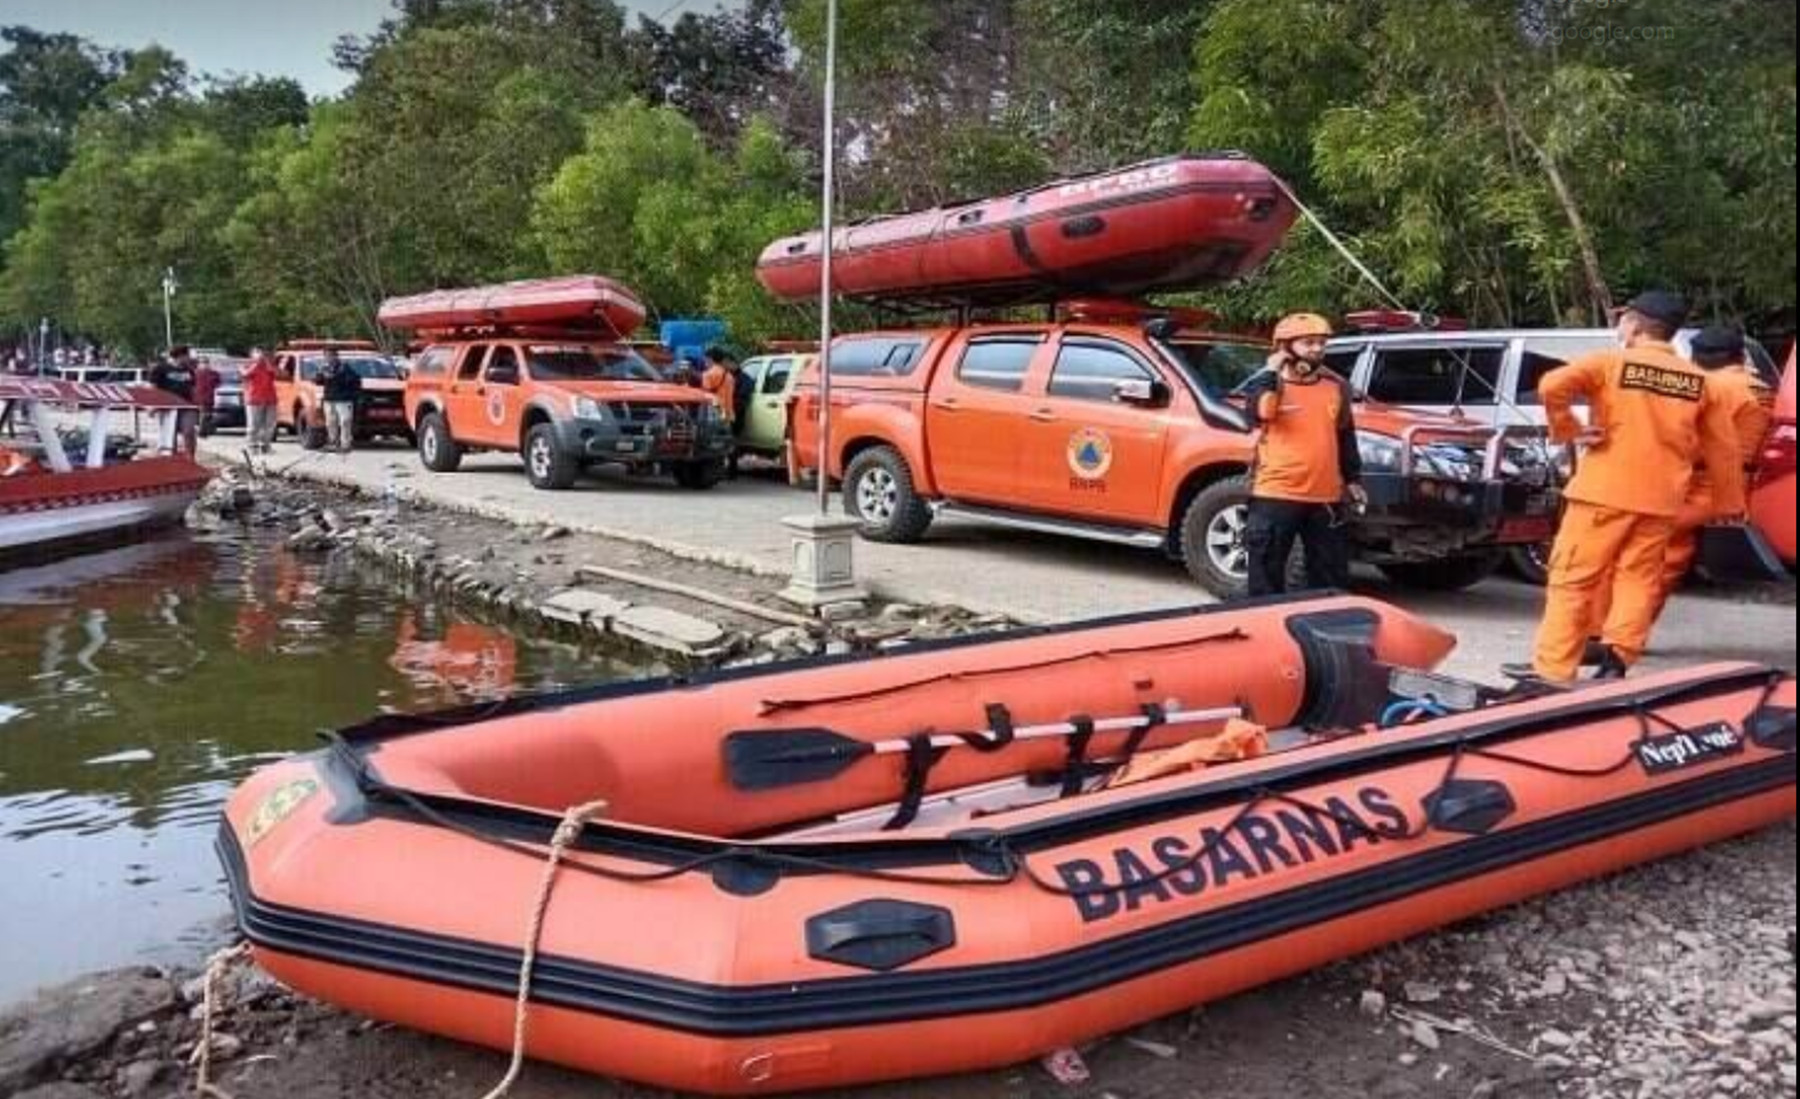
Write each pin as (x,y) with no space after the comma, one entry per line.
(1773,485)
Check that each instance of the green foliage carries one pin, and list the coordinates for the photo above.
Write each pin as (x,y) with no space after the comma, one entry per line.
(1512,161)
(649,202)
(1479,151)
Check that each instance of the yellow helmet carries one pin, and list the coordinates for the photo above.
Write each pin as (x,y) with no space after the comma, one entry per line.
(1300,326)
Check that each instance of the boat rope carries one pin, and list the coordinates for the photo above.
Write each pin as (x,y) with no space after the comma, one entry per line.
(771,707)
(997,848)
(216,968)
(1338,244)
(1648,720)
(566,834)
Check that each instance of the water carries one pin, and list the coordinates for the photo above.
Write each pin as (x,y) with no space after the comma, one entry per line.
(137,687)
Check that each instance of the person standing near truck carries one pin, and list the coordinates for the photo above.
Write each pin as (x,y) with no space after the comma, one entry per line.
(1723,352)
(1653,418)
(175,376)
(260,401)
(339,386)
(724,381)
(1307,462)
(206,394)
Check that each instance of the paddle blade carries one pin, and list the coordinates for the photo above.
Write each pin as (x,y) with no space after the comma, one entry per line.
(777,758)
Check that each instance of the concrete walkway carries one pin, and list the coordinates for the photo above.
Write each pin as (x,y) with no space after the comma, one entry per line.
(1029,577)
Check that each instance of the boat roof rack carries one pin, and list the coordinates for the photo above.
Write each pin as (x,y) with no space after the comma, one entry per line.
(329,345)
(573,333)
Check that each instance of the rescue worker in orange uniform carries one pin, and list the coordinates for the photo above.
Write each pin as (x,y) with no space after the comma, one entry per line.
(1723,353)
(1653,416)
(1307,461)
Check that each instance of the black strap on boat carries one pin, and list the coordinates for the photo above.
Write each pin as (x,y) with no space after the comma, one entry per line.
(1005,731)
(922,757)
(1076,773)
(1155,717)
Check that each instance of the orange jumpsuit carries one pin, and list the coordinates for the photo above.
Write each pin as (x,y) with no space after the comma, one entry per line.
(1658,416)
(1751,406)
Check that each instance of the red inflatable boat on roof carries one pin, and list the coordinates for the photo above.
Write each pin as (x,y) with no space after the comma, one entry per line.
(581,301)
(1168,225)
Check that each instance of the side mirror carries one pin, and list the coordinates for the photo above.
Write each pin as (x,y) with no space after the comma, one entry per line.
(1144,394)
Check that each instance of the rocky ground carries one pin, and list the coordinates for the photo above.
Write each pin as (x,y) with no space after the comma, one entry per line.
(550,579)
(1673,982)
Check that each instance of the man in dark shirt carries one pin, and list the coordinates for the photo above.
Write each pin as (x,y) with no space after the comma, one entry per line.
(340,386)
(175,376)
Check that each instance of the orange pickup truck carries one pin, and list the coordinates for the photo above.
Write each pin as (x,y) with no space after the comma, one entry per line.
(1126,433)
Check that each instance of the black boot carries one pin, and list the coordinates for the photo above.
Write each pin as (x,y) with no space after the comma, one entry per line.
(1596,654)
(1612,666)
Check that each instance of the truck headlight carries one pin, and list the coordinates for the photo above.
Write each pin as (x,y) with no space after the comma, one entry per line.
(586,408)
(1380,453)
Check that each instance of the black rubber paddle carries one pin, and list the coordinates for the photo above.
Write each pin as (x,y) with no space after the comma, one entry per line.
(774,759)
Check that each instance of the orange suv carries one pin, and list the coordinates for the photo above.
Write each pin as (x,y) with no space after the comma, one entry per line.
(1125,433)
(380,411)
(565,401)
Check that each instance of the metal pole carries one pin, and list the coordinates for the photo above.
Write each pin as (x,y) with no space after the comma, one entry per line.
(168,309)
(830,248)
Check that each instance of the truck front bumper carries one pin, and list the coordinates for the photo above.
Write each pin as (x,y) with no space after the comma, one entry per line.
(1479,514)
(633,444)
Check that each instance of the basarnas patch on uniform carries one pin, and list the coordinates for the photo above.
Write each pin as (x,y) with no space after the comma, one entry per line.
(1681,385)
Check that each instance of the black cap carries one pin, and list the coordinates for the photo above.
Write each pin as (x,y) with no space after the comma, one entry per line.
(1722,342)
(1663,306)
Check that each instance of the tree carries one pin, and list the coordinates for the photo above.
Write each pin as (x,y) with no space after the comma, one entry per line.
(46,82)
(720,70)
(648,201)
(1515,162)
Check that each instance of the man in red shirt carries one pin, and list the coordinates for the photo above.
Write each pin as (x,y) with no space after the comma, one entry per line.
(260,401)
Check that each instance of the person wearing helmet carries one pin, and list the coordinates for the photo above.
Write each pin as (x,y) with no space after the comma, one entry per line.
(1653,418)
(1307,461)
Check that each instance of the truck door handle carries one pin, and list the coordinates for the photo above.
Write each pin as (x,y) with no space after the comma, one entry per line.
(1043,416)
(948,404)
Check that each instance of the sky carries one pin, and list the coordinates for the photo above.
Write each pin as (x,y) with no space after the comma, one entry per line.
(269,37)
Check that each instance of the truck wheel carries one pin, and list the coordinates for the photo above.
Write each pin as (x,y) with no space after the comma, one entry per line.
(438,450)
(1530,563)
(878,491)
(699,476)
(1214,543)
(1449,574)
(549,466)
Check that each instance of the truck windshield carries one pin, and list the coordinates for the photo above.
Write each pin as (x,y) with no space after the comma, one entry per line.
(1215,366)
(589,364)
(371,368)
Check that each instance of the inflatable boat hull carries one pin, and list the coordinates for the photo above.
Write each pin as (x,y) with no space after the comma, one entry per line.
(1178,224)
(371,876)
(578,302)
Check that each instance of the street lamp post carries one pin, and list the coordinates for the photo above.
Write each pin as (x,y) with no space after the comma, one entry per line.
(825,545)
(829,245)
(169,286)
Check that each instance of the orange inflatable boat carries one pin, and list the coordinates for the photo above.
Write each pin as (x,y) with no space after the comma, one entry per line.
(961,856)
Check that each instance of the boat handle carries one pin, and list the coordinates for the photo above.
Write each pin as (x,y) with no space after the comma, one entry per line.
(881,936)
